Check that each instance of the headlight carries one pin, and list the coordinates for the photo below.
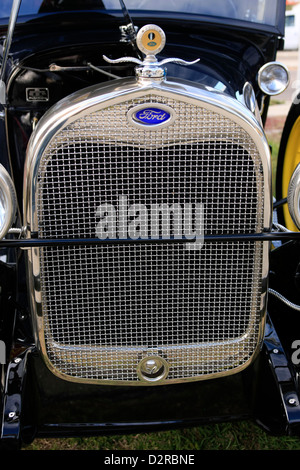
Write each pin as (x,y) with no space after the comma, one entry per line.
(273,78)
(7,202)
(294,196)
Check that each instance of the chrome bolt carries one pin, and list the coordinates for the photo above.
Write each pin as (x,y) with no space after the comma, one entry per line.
(275,351)
(292,401)
(11,414)
(17,360)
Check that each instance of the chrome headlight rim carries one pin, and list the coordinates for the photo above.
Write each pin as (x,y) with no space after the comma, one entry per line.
(293,197)
(9,201)
(262,83)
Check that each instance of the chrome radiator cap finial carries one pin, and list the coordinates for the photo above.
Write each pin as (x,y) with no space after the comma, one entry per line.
(150,40)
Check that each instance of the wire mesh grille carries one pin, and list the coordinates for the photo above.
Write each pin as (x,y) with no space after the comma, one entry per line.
(105,308)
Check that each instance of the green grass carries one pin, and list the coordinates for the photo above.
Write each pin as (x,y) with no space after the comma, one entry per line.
(228,436)
(274,102)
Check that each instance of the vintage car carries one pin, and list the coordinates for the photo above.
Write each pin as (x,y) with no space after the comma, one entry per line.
(149,277)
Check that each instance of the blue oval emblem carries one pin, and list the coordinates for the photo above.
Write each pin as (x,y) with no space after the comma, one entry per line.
(152,116)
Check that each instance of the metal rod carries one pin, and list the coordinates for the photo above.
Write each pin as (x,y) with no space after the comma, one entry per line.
(7,43)
(10,32)
(284,300)
(255,237)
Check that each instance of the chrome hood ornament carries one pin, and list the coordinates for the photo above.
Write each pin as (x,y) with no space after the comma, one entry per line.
(150,40)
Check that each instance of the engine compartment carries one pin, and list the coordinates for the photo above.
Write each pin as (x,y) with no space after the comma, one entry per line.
(41,80)
(62,72)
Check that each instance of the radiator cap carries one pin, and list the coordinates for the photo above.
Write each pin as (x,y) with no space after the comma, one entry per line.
(150,40)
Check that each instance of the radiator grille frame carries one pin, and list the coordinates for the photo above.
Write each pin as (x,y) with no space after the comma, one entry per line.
(206,104)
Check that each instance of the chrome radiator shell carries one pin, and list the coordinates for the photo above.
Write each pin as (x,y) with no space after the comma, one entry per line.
(88,360)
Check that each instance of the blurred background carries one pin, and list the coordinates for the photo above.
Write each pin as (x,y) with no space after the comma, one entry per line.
(290,57)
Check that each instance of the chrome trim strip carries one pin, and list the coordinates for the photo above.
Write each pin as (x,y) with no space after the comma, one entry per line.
(293,197)
(8,192)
